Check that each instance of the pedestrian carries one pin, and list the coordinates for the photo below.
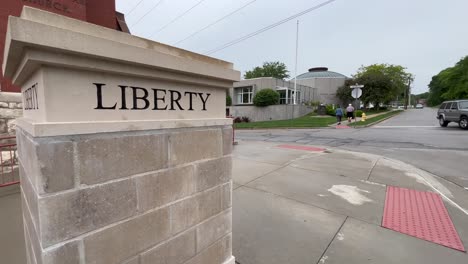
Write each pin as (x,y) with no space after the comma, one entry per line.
(339,114)
(350,112)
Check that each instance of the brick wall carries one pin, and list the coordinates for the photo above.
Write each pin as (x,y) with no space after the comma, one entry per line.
(160,196)
(100,12)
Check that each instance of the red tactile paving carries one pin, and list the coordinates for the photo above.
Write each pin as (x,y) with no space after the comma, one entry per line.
(307,148)
(342,127)
(420,214)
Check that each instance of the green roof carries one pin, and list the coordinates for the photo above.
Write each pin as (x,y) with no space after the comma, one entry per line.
(320,72)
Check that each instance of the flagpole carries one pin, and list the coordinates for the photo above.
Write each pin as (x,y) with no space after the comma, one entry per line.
(295,68)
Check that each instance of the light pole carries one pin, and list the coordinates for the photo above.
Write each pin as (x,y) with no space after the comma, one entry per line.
(295,67)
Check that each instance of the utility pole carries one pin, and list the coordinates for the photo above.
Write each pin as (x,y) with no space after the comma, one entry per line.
(407,93)
(295,67)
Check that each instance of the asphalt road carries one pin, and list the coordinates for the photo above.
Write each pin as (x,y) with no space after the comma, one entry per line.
(413,137)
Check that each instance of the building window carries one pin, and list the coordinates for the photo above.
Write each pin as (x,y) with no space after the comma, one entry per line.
(282,94)
(290,97)
(244,95)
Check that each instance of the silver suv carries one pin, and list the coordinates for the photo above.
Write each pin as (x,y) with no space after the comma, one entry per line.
(453,111)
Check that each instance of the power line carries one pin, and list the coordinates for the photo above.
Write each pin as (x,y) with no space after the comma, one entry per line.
(177,18)
(135,7)
(149,11)
(216,22)
(231,43)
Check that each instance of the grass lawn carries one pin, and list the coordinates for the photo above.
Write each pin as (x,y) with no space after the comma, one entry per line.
(376,118)
(310,120)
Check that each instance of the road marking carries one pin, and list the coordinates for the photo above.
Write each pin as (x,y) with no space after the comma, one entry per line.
(373,183)
(432,182)
(352,194)
(404,126)
(340,236)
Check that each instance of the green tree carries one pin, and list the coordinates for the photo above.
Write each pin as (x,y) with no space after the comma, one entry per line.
(451,83)
(266,97)
(344,93)
(269,69)
(382,82)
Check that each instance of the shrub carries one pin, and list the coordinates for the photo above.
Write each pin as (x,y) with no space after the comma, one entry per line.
(266,97)
(358,113)
(243,119)
(228,100)
(330,110)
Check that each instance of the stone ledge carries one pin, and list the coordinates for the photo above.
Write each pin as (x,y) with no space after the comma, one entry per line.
(80,128)
(10,97)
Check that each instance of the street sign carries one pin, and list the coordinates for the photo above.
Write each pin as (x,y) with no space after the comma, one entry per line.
(356,93)
(356,86)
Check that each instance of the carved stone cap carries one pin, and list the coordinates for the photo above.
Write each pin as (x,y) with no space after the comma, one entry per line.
(38,29)
(80,78)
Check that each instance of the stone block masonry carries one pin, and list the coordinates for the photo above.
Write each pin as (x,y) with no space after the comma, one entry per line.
(113,200)
(124,147)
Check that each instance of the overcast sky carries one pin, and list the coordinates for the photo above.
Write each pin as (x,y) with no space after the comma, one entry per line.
(425,36)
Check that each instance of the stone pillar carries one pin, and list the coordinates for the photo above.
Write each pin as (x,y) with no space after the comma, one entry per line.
(125,152)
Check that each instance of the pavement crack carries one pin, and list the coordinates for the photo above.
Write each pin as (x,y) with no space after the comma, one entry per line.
(261,176)
(331,241)
(372,169)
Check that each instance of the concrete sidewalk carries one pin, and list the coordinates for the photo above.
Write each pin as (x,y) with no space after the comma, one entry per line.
(298,207)
(12,247)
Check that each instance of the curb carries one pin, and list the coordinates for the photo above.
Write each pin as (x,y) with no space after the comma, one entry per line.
(376,122)
(276,128)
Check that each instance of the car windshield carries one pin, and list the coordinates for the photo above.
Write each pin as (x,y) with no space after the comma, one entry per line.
(463,105)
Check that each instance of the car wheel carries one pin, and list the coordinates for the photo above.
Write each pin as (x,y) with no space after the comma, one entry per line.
(442,122)
(463,122)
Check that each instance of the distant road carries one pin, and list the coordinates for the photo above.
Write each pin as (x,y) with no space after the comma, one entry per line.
(413,118)
(413,137)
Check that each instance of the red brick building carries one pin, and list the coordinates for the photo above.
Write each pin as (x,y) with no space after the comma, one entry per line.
(100,12)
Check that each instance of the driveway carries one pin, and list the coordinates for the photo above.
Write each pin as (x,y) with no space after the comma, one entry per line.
(298,206)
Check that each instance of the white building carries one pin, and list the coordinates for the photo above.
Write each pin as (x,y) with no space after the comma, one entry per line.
(325,81)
